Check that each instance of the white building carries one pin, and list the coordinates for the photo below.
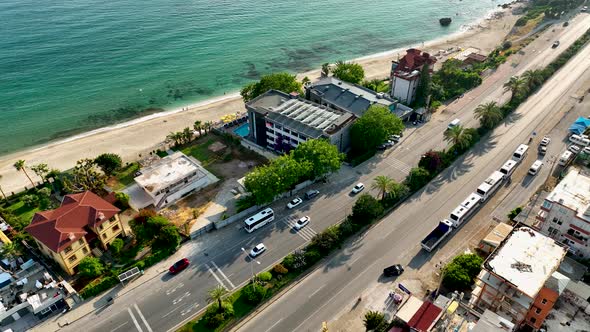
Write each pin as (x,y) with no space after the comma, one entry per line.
(172,178)
(405,74)
(565,213)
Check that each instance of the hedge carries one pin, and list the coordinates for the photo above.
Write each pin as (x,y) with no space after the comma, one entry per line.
(98,286)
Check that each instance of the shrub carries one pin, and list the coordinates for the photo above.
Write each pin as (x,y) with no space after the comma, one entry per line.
(122,200)
(90,267)
(506,45)
(295,260)
(374,320)
(30,201)
(98,286)
(280,269)
(431,161)
(326,241)
(254,293)
(312,255)
(264,276)
(366,209)
(245,202)
(514,213)
(214,317)
(44,192)
(116,246)
(418,178)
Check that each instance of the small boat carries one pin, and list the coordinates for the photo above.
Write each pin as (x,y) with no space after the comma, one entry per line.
(445,21)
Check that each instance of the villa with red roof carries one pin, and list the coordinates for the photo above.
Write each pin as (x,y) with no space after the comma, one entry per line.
(68,233)
(405,74)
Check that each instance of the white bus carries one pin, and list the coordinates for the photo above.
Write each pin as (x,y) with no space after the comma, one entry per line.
(258,220)
(508,168)
(565,158)
(490,185)
(520,152)
(465,210)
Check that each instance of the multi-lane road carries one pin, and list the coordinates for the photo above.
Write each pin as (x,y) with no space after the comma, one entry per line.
(164,302)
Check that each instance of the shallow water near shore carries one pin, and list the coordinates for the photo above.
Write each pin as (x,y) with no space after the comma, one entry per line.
(73,67)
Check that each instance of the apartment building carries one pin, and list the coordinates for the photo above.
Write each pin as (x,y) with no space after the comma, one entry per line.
(405,74)
(519,280)
(279,121)
(565,214)
(69,233)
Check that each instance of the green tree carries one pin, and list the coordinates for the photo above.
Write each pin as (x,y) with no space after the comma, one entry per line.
(9,250)
(176,137)
(116,246)
(167,239)
(489,114)
(207,126)
(374,320)
(451,80)
(2,191)
(325,241)
(460,273)
(533,78)
(90,267)
(366,209)
(30,201)
(216,295)
(254,292)
(305,80)
(432,161)
(323,156)
(371,129)
(326,69)
(397,190)
(278,81)
(122,200)
(85,177)
(198,126)
(516,86)
(349,72)
(108,162)
(382,183)
(187,134)
(40,170)
(376,85)
(418,178)
(458,136)
(20,166)
(423,89)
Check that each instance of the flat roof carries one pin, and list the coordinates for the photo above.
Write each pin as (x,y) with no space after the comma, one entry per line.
(498,234)
(573,191)
(526,259)
(167,171)
(409,309)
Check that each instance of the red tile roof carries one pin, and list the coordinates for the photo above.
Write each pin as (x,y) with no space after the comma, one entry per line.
(414,60)
(425,317)
(58,228)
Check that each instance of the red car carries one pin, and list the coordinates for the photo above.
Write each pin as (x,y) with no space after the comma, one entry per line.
(179,266)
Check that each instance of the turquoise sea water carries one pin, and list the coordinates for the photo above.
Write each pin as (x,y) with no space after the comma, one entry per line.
(70,66)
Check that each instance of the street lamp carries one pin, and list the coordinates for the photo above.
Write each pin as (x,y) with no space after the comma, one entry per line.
(251,261)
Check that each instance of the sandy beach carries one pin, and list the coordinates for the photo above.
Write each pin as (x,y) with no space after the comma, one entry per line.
(140,136)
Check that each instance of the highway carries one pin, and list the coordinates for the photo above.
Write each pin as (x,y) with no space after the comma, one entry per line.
(165,302)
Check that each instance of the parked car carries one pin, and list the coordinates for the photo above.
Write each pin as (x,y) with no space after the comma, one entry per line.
(179,266)
(574,148)
(296,201)
(302,222)
(395,138)
(586,150)
(555,44)
(542,149)
(584,9)
(259,249)
(389,143)
(382,147)
(566,23)
(311,194)
(545,141)
(358,188)
(393,271)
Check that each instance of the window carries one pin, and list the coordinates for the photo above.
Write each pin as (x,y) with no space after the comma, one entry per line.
(116,228)
(544,301)
(84,250)
(533,320)
(100,227)
(72,258)
(104,236)
(68,249)
(547,205)
(81,241)
(538,311)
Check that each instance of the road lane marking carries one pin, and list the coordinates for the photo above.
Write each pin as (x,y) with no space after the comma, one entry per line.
(307,233)
(317,290)
(173,310)
(134,320)
(174,289)
(118,327)
(215,276)
(142,318)
(179,299)
(273,325)
(189,309)
(223,275)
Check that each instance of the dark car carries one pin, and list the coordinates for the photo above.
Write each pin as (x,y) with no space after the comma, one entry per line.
(555,44)
(179,266)
(393,271)
(311,194)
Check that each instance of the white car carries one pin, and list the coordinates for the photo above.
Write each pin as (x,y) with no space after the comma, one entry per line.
(296,201)
(574,148)
(395,138)
(545,141)
(586,150)
(358,188)
(302,222)
(259,249)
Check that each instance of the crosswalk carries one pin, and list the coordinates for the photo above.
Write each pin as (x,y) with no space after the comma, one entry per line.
(398,164)
(215,270)
(307,233)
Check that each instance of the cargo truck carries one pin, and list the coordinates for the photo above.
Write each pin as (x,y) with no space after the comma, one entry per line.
(435,237)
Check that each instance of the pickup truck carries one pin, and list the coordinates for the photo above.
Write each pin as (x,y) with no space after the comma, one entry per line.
(441,231)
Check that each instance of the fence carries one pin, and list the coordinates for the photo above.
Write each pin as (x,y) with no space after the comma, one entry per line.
(258,149)
(239,216)
(202,231)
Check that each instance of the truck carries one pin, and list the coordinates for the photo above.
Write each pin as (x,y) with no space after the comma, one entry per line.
(441,231)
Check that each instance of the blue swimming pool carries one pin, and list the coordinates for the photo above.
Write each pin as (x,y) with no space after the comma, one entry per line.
(242,130)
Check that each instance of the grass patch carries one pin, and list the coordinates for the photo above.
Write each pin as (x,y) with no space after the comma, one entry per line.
(201,152)
(161,153)
(23,212)
(125,176)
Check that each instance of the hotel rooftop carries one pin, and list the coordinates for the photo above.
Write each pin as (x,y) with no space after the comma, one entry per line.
(573,192)
(167,172)
(526,259)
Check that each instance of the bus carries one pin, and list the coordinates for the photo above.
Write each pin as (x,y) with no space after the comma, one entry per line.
(490,185)
(508,168)
(520,152)
(258,220)
(465,210)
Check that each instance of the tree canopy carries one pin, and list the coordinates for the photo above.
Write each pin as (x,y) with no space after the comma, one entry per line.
(323,156)
(452,81)
(85,177)
(90,267)
(278,81)
(156,230)
(489,114)
(108,162)
(373,128)
(366,209)
(423,89)
(461,272)
(349,72)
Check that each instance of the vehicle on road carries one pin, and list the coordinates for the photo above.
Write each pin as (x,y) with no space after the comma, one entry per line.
(302,222)
(490,185)
(258,220)
(389,143)
(520,153)
(311,194)
(393,271)
(179,266)
(535,167)
(508,168)
(566,23)
(358,188)
(586,150)
(395,138)
(565,158)
(574,149)
(454,123)
(542,150)
(294,203)
(259,249)
(584,9)
(444,228)
(555,44)
(465,210)
(545,141)
(581,140)
(381,147)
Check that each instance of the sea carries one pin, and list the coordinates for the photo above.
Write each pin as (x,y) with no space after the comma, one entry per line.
(70,66)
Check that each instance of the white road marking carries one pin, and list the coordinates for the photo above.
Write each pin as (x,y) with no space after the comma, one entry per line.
(307,233)
(223,275)
(172,290)
(134,320)
(142,318)
(179,299)
(118,327)
(273,325)
(317,290)
(215,276)
(398,164)
(189,309)
(173,310)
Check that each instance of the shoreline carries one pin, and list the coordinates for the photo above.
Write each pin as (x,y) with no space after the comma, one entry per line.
(122,138)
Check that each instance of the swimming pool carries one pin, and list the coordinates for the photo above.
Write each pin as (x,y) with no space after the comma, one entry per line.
(243,130)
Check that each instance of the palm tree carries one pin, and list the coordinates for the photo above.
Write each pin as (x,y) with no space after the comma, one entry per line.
(397,190)
(458,136)
(373,320)
(20,166)
(381,183)
(2,191)
(208,125)
(186,134)
(217,294)
(489,114)
(533,78)
(40,170)
(198,126)
(325,69)
(515,85)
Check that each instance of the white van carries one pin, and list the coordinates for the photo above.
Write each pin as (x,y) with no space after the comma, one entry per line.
(565,158)
(454,123)
(508,168)
(520,152)
(579,140)
(535,167)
